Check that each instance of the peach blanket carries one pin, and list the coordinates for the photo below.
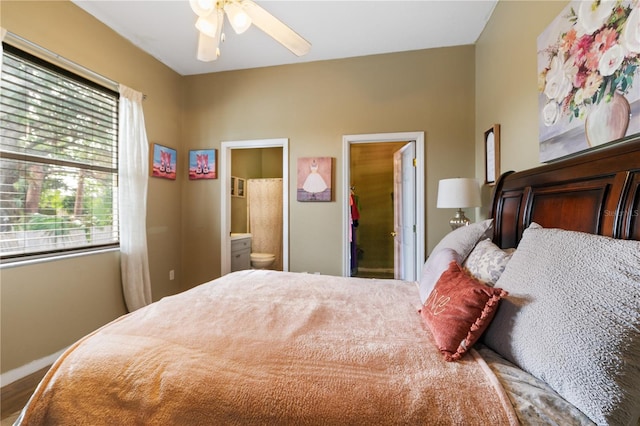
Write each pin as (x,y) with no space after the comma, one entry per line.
(265,347)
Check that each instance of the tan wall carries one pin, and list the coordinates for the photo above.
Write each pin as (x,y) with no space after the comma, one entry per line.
(314,105)
(47,306)
(507,82)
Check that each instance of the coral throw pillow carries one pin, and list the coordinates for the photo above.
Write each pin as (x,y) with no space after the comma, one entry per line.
(458,310)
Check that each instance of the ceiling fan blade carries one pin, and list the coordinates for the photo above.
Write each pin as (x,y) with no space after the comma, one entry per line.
(275,28)
(208,46)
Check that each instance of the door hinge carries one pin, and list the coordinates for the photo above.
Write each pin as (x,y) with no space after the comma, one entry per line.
(415,162)
(414,229)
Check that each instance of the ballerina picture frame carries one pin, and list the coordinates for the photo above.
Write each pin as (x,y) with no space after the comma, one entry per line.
(315,179)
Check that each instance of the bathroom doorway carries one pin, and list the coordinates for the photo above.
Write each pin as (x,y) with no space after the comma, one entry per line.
(365,158)
(241,161)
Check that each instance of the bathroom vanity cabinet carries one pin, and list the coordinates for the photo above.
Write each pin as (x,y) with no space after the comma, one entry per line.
(240,252)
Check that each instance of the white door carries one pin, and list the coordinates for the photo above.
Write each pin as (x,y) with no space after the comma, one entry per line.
(404,217)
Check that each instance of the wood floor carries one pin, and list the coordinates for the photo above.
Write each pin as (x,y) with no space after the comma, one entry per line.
(15,395)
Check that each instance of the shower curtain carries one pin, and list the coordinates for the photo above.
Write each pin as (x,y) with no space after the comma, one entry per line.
(264,217)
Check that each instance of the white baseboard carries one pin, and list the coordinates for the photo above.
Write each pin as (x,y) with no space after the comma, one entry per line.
(27,369)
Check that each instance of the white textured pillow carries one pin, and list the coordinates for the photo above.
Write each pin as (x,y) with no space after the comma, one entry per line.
(572,319)
(433,268)
(487,261)
(462,241)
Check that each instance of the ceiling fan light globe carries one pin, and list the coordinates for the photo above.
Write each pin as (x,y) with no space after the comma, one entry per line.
(208,25)
(240,21)
(202,8)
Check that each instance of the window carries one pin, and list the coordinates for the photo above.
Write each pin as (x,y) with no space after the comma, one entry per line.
(58,160)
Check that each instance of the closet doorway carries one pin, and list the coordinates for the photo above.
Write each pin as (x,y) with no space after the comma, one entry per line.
(226,153)
(387,186)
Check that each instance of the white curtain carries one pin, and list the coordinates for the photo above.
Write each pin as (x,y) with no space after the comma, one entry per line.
(132,200)
(264,205)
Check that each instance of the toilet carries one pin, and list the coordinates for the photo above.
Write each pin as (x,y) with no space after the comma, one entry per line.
(262,260)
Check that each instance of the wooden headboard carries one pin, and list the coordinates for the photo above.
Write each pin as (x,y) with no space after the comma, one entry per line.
(597,193)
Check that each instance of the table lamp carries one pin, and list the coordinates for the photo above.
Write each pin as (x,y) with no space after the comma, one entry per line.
(458,193)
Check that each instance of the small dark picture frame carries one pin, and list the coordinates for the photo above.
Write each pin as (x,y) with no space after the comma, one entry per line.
(238,187)
(492,154)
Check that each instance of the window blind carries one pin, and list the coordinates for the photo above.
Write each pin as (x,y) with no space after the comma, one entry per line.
(58,160)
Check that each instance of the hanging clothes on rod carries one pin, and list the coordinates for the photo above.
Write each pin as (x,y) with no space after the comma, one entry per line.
(354,219)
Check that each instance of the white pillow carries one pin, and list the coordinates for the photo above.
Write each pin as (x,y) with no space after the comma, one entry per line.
(433,268)
(487,261)
(572,319)
(461,241)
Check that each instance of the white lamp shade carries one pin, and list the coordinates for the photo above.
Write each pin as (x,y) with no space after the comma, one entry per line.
(458,193)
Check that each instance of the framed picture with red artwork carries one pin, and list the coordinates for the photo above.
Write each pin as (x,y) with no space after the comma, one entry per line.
(163,162)
(203,164)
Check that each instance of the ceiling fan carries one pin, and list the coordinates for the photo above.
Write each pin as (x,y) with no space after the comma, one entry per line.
(241,14)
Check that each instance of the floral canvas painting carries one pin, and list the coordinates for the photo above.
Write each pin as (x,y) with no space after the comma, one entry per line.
(315,179)
(588,68)
(202,164)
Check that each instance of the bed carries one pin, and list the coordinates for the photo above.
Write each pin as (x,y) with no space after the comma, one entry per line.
(529,317)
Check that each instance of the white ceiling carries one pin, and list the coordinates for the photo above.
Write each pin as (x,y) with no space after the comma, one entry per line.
(335,29)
